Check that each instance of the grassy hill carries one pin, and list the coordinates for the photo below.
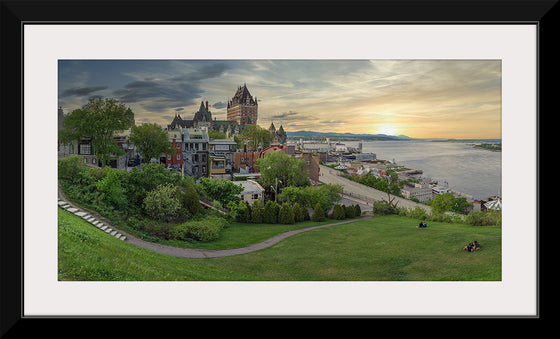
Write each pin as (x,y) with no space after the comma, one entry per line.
(384,248)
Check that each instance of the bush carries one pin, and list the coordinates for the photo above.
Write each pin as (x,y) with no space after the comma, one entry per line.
(69,167)
(207,229)
(111,186)
(419,213)
(191,199)
(243,212)
(299,212)
(350,211)
(318,213)
(383,208)
(484,218)
(286,214)
(257,211)
(270,213)
(163,203)
(339,212)
(358,210)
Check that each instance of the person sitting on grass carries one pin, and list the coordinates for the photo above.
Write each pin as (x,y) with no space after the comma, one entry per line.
(422,225)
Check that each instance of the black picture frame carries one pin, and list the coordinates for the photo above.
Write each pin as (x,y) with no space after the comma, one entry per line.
(16,14)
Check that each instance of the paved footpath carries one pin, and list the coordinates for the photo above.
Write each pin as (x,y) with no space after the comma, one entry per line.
(180,251)
(363,192)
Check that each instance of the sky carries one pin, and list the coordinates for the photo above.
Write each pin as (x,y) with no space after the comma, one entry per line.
(416,98)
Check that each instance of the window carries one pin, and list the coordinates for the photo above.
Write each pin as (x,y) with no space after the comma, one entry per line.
(169,157)
(178,157)
(255,196)
(85,149)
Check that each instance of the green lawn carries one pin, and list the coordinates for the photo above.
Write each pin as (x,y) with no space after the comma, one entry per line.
(387,248)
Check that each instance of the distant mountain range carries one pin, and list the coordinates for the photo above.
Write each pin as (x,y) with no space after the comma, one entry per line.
(311,134)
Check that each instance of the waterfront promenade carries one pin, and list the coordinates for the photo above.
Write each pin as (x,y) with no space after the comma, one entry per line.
(331,176)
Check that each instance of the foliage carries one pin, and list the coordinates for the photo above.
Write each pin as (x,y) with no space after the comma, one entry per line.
(358,210)
(207,229)
(300,213)
(191,198)
(286,214)
(383,207)
(69,167)
(325,195)
(256,137)
(224,191)
(484,218)
(350,211)
(99,120)
(213,134)
(257,211)
(339,212)
(243,212)
(318,213)
(151,141)
(447,202)
(163,203)
(270,213)
(111,186)
(282,169)
(419,213)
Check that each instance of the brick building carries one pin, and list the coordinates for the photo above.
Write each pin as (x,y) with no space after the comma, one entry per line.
(242,108)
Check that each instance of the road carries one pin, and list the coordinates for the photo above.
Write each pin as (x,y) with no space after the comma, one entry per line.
(362,192)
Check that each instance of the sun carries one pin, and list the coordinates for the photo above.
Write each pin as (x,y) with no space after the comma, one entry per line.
(387,130)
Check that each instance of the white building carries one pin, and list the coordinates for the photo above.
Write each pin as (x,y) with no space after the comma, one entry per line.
(252,191)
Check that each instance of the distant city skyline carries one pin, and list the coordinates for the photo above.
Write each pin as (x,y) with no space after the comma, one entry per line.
(417,98)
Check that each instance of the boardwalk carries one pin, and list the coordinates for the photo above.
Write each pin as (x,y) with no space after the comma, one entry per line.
(363,192)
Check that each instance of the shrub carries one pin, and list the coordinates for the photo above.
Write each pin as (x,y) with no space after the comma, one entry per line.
(69,167)
(484,218)
(163,203)
(257,211)
(318,213)
(339,212)
(350,211)
(419,213)
(243,212)
(191,199)
(207,229)
(270,213)
(111,186)
(358,210)
(383,208)
(299,212)
(286,214)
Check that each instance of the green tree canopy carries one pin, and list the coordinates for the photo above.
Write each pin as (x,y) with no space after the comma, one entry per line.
(256,137)
(151,141)
(288,170)
(98,120)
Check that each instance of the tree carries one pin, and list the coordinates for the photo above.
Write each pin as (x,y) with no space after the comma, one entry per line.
(164,202)
(151,141)
(338,212)
(281,170)
(257,211)
(327,195)
(256,137)
(442,203)
(318,213)
(99,120)
(286,214)
(270,213)
(222,190)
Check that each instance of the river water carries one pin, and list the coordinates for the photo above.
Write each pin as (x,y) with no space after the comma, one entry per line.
(476,172)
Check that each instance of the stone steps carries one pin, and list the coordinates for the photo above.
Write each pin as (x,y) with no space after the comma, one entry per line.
(63,204)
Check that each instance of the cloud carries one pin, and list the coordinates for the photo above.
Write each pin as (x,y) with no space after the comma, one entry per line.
(219,105)
(283,115)
(82,91)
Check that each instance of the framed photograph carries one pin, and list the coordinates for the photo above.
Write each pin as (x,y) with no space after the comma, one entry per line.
(436,95)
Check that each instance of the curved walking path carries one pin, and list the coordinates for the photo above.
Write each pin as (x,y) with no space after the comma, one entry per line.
(204,253)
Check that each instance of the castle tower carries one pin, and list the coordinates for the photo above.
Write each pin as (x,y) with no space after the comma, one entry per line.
(242,108)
